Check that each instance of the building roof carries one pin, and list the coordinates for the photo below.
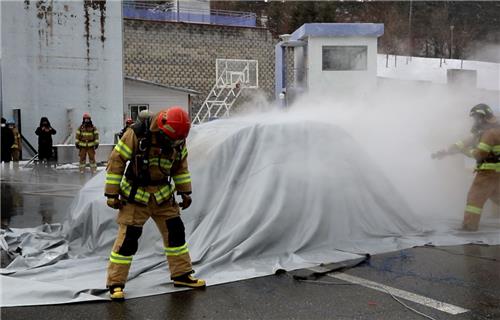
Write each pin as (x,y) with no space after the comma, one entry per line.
(190,91)
(338,30)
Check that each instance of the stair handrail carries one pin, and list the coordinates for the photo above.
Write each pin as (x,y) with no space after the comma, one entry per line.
(197,116)
(208,104)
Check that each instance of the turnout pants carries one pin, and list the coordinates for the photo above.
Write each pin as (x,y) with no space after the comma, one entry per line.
(16,154)
(485,186)
(130,219)
(83,157)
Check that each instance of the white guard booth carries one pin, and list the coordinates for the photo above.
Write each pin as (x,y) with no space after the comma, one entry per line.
(330,57)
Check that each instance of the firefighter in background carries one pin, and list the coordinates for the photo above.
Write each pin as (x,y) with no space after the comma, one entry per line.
(87,141)
(155,150)
(128,123)
(16,147)
(484,146)
(144,115)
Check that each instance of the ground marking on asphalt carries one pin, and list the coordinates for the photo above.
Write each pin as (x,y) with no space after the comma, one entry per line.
(429,302)
(59,190)
(49,194)
(41,184)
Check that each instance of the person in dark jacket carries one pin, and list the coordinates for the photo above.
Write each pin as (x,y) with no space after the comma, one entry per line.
(7,141)
(44,133)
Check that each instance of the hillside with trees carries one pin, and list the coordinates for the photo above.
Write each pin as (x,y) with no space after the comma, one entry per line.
(443,29)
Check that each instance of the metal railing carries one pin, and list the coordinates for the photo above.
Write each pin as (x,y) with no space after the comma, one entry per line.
(169,12)
(221,98)
(233,76)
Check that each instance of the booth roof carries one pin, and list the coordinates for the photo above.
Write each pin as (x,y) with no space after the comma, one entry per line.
(338,30)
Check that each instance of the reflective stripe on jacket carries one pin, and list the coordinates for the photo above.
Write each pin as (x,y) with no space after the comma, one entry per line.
(465,146)
(17,139)
(87,137)
(142,196)
(487,151)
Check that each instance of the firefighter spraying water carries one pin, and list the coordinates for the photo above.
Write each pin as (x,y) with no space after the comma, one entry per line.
(484,146)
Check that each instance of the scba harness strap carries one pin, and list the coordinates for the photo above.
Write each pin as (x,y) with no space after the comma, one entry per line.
(138,169)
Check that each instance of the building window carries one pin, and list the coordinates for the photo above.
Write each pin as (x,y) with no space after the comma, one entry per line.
(344,58)
(134,110)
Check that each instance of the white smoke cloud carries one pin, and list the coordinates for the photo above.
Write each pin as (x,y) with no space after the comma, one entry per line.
(399,125)
(485,52)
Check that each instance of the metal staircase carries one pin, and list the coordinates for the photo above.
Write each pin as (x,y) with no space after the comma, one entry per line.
(232,77)
(222,97)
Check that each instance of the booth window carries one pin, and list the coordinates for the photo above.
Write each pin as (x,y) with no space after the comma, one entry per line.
(344,58)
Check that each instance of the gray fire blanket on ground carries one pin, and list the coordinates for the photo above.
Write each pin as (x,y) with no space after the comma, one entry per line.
(267,196)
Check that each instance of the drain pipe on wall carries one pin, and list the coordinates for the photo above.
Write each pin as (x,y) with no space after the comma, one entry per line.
(280,67)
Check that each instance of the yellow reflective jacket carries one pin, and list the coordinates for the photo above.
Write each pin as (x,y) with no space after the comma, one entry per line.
(17,139)
(487,152)
(87,137)
(172,164)
(465,146)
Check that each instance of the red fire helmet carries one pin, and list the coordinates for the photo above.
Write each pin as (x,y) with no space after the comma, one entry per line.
(174,123)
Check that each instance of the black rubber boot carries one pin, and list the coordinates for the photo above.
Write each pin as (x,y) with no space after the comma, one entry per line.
(187,280)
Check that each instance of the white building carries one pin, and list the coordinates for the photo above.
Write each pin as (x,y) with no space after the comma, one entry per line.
(61,59)
(142,94)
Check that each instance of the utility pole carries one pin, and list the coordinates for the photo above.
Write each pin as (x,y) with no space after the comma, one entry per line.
(451,41)
(410,45)
(1,91)
(178,10)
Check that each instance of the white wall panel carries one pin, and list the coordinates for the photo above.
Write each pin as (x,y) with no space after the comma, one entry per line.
(59,55)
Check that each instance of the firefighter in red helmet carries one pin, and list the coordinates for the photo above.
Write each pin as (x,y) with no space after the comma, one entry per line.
(156,152)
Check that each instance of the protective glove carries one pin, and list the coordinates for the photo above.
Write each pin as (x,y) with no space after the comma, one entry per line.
(439,154)
(114,203)
(186,200)
(96,146)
